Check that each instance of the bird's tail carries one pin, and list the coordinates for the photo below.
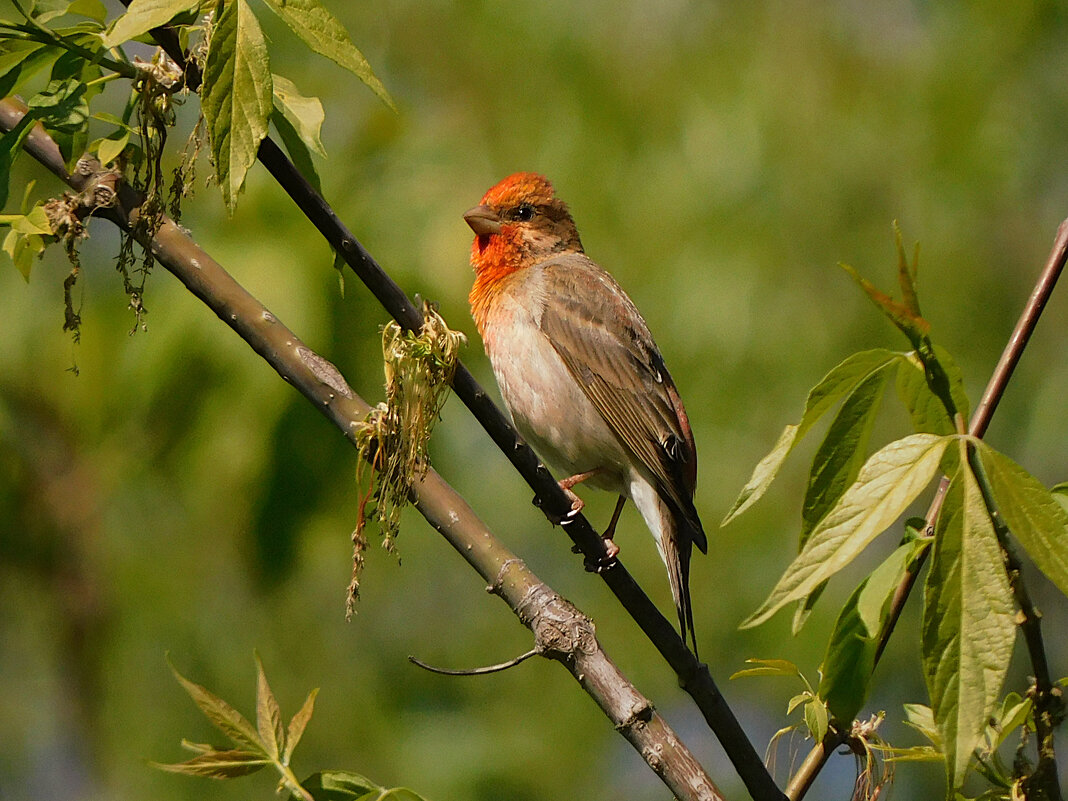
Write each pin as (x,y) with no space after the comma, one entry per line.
(676,534)
(678,566)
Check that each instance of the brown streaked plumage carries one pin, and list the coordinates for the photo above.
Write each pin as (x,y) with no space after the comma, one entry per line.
(579,371)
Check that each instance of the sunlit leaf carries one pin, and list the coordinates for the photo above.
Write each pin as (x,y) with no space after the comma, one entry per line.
(887,483)
(834,386)
(816,719)
(768,667)
(304,113)
(910,322)
(1033,514)
(1060,494)
(339,785)
(111,147)
(268,715)
(236,97)
(968,623)
(763,474)
(921,718)
(842,452)
(850,658)
(227,719)
(94,9)
(297,725)
(324,34)
(142,16)
(218,764)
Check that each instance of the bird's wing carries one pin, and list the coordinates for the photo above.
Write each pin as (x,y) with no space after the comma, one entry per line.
(607,347)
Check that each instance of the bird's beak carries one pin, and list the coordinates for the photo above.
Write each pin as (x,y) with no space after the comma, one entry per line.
(483,220)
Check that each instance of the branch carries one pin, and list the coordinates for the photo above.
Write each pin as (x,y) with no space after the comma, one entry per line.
(561,632)
(995,389)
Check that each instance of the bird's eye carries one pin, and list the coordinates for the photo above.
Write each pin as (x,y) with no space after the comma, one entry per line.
(524,213)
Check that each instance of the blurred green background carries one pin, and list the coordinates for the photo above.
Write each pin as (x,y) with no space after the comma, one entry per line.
(720,159)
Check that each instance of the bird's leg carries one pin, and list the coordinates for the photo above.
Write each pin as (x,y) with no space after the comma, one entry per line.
(611,549)
(566,484)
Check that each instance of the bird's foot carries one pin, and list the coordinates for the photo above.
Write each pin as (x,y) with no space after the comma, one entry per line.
(601,562)
(577,505)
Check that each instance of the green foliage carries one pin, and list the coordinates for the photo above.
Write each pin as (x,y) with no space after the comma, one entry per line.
(815,716)
(850,659)
(969,616)
(968,623)
(268,742)
(237,95)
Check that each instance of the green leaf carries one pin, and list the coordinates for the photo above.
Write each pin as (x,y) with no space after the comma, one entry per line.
(763,474)
(842,452)
(1060,494)
(47,10)
(142,16)
(968,623)
(834,386)
(887,483)
(921,718)
(850,658)
(62,106)
(268,715)
(324,34)
(218,764)
(305,114)
(94,9)
(816,719)
(23,250)
(917,753)
(236,97)
(1034,516)
(227,719)
(928,413)
(110,147)
(768,667)
(339,785)
(297,725)
(1014,713)
(10,148)
(297,149)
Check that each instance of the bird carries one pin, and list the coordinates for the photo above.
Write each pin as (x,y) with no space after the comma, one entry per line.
(577,367)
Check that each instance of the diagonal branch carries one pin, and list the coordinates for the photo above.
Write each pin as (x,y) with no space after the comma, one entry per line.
(561,632)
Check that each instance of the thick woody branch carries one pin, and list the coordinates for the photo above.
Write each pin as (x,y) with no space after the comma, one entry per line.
(1048,703)
(561,632)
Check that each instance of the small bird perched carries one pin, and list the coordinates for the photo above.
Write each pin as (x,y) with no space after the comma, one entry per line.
(578,369)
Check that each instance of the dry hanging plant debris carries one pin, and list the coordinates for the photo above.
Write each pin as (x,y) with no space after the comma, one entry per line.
(392,441)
